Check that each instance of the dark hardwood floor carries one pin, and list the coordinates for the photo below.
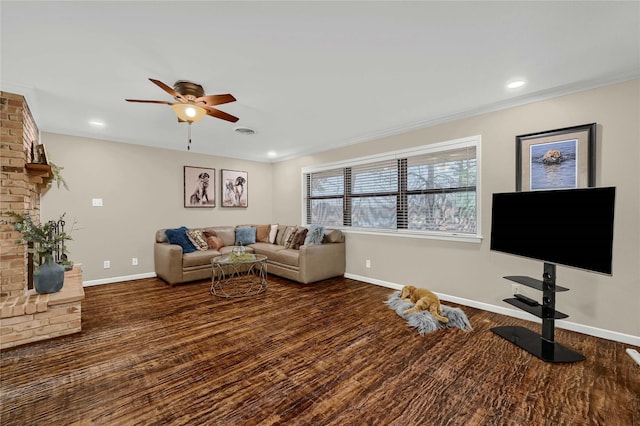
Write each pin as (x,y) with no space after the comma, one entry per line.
(330,353)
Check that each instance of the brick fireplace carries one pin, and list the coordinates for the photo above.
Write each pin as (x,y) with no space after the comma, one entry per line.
(24,315)
(18,192)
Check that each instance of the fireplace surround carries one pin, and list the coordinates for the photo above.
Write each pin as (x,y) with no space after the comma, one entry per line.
(25,316)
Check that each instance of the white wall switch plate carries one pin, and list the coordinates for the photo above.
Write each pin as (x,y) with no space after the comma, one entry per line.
(96,202)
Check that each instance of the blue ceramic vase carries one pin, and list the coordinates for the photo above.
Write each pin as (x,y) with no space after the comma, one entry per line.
(49,278)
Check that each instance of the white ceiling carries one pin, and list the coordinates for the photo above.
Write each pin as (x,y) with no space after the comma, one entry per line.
(308,76)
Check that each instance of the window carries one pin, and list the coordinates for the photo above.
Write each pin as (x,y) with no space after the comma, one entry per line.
(429,191)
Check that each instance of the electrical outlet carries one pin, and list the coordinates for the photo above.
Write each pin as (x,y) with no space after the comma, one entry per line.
(96,202)
(134,261)
(107,264)
(515,289)
(367,263)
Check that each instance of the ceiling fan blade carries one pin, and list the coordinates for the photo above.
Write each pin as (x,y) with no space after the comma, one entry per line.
(215,99)
(219,114)
(168,89)
(150,102)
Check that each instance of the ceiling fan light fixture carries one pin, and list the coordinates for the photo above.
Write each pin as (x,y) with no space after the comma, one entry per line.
(188,112)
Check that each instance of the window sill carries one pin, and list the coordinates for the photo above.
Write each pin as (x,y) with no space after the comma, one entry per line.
(464,238)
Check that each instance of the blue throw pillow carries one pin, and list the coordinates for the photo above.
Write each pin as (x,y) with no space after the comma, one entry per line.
(315,235)
(245,236)
(179,236)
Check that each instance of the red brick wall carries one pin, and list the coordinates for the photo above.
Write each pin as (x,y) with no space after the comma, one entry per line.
(18,193)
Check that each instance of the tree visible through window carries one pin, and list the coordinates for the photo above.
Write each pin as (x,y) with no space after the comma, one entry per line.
(431,189)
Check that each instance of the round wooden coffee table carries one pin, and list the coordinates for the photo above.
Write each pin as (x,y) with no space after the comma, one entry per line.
(239,276)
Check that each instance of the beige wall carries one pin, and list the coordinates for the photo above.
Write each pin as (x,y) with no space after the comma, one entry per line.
(142,190)
(472,271)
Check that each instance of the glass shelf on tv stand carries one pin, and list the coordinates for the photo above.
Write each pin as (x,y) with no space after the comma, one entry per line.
(534,283)
(542,346)
(538,310)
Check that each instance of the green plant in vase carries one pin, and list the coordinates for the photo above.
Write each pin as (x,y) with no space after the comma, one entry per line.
(45,239)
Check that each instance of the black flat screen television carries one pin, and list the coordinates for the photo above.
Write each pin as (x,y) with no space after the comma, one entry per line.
(572,227)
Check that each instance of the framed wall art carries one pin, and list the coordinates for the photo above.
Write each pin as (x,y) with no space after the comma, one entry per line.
(234,188)
(556,159)
(199,187)
(41,154)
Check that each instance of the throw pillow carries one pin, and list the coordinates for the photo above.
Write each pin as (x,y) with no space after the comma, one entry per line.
(245,236)
(272,233)
(315,235)
(179,236)
(197,238)
(291,238)
(214,242)
(284,233)
(333,236)
(301,235)
(262,233)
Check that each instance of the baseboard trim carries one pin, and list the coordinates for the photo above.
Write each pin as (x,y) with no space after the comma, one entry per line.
(567,325)
(118,279)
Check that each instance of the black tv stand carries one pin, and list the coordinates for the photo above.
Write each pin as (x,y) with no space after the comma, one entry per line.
(543,346)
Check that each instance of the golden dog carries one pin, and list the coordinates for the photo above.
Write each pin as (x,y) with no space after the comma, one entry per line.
(424,300)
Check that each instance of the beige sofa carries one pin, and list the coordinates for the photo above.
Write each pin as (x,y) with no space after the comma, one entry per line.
(309,263)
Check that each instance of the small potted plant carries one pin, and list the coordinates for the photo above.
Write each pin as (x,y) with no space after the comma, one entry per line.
(46,239)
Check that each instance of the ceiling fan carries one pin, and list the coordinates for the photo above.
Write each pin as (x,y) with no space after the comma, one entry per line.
(191,103)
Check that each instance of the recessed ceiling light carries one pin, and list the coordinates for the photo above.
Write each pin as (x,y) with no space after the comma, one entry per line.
(97,123)
(516,84)
(244,130)
(271,154)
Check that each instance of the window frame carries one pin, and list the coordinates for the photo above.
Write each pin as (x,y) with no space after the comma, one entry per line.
(471,141)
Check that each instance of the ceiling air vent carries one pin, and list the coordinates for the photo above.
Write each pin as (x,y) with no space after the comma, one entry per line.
(244,130)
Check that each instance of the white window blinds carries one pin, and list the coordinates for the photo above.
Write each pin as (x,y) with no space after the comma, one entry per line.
(431,189)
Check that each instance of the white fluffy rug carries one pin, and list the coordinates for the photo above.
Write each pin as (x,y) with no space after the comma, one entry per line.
(424,321)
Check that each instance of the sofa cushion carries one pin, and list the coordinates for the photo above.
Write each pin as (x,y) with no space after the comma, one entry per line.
(315,235)
(273,232)
(333,236)
(301,235)
(198,258)
(213,241)
(291,238)
(284,233)
(179,236)
(227,233)
(197,238)
(289,257)
(245,236)
(266,249)
(262,233)
(281,231)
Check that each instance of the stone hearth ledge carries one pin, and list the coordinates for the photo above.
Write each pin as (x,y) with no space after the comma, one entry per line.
(34,317)
(32,302)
